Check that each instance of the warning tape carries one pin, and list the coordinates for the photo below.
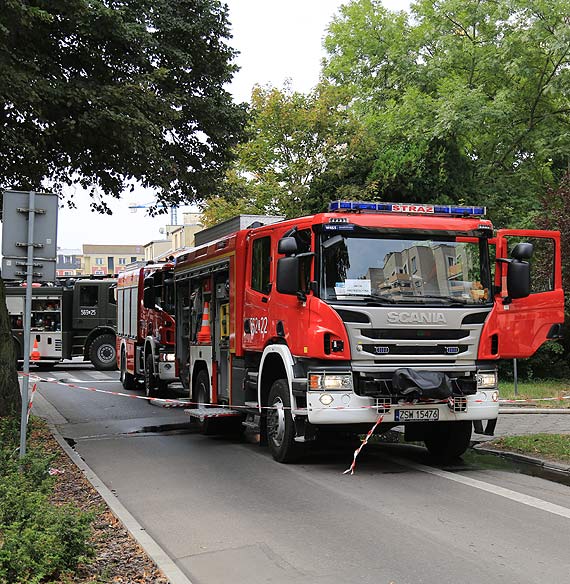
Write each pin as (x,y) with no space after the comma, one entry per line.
(533,399)
(168,402)
(185,402)
(30,403)
(351,468)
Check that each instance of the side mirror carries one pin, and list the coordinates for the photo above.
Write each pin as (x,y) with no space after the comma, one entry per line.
(287,246)
(522,251)
(149,300)
(288,274)
(518,277)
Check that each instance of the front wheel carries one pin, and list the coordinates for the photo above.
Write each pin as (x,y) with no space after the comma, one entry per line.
(449,440)
(151,388)
(201,397)
(128,380)
(280,425)
(103,353)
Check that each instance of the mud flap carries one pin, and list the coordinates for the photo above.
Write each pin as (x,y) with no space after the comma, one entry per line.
(489,429)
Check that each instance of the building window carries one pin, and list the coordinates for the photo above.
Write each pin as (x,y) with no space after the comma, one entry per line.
(133,259)
(414,265)
(122,261)
(98,261)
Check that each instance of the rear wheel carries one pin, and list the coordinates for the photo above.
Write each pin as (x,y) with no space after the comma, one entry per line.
(128,380)
(449,440)
(103,353)
(280,425)
(201,397)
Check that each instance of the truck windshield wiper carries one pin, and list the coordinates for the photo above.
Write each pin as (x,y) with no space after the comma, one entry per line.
(453,301)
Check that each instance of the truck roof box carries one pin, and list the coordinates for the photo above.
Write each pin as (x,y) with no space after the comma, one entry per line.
(232,225)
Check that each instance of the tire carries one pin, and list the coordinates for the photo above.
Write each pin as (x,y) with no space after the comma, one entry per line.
(128,381)
(280,425)
(201,395)
(447,441)
(103,353)
(150,384)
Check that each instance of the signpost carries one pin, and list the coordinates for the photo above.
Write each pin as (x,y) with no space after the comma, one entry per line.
(29,224)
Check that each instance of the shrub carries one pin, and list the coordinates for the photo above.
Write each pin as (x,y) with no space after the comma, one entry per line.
(38,540)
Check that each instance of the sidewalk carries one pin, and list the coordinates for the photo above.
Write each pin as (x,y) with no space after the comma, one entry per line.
(528,423)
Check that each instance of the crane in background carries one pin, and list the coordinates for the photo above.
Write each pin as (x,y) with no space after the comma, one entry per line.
(173,210)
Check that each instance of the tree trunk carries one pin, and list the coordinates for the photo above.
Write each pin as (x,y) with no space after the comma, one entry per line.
(10,398)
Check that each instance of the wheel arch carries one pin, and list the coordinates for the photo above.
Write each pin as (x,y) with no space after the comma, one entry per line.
(276,363)
(97,332)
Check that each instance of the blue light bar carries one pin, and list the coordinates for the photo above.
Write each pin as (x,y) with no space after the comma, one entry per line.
(347,206)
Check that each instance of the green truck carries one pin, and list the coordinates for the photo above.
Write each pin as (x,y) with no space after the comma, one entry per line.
(76,319)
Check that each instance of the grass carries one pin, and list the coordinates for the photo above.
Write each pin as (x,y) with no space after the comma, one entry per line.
(554,447)
(536,390)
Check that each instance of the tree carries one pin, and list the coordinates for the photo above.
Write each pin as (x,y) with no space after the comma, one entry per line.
(111,93)
(466,101)
(293,139)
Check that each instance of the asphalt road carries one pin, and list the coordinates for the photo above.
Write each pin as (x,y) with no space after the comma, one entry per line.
(227,513)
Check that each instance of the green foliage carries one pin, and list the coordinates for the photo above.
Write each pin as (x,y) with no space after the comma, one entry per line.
(467,100)
(38,540)
(549,362)
(293,139)
(108,92)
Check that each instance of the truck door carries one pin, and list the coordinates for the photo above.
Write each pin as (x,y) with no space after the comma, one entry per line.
(86,306)
(523,324)
(258,285)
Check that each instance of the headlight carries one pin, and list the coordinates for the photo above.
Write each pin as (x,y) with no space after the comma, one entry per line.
(328,381)
(486,379)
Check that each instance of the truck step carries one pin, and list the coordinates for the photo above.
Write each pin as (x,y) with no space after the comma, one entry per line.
(251,425)
(203,413)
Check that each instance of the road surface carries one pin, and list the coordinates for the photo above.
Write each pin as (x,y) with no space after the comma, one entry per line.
(226,512)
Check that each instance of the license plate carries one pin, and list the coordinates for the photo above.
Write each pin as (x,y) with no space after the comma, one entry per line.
(428,415)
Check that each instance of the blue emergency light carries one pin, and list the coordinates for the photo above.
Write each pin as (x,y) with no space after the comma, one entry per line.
(347,206)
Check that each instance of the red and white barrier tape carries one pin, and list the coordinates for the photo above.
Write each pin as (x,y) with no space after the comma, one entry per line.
(30,403)
(533,399)
(364,443)
(182,403)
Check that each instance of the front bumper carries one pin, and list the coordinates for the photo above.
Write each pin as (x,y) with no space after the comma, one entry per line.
(347,407)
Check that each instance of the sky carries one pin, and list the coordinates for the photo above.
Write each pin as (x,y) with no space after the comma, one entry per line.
(278,40)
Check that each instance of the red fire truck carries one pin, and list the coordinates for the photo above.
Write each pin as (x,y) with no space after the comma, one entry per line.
(145,327)
(323,324)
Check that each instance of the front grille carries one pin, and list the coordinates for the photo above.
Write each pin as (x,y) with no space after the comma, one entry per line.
(414,349)
(379,386)
(414,334)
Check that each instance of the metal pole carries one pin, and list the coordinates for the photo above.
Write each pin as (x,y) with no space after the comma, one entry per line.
(515,372)
(27,323)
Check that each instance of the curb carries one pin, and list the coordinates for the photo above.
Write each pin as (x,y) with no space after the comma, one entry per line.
(517,456)
(531,410)
(163,561)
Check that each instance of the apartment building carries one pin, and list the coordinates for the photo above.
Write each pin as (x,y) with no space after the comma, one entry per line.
(100,260)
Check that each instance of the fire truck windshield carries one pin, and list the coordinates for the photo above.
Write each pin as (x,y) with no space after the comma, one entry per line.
(426,270)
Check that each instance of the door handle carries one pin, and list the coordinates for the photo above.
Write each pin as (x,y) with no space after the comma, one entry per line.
(265,299)
(247,326)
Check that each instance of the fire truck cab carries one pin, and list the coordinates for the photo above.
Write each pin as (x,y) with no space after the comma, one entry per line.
(326,323)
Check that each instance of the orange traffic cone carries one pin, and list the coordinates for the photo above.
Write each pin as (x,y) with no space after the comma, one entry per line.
(204,334)
(35,354)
